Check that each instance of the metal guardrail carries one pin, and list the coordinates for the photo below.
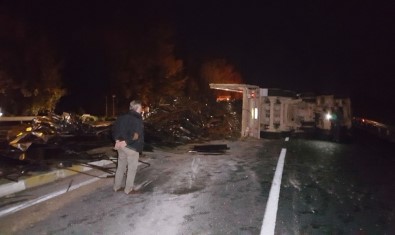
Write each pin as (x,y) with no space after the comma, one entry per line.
(17,119)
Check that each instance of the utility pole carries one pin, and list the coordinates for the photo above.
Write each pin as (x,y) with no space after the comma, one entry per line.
(113,105)
(106,108)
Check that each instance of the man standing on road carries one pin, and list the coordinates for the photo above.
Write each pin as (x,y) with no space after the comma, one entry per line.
(128,133)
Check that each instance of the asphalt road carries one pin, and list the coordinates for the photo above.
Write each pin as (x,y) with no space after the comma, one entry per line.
(326,188)
(331,188)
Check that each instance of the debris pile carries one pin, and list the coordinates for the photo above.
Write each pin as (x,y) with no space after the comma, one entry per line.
(174,122)
(51,128)
(182,120)
(57,141)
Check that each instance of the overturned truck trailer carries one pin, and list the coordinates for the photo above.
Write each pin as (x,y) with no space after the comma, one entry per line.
(276,112)
(284,112)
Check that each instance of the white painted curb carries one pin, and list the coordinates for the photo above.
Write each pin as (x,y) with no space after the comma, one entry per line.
(10,188)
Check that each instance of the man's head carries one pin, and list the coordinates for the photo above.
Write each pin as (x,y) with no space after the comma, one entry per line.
(135,105)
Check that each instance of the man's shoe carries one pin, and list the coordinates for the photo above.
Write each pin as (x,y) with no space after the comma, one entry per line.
(117,190)
(133,192)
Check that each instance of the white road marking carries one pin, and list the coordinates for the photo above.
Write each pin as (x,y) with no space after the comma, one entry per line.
(287,138)
(269,219)
(47,197)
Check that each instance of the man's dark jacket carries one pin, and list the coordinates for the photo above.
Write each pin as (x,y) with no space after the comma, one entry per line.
(124,128)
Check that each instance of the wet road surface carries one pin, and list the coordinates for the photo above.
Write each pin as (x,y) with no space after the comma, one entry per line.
(327,188)
(331,188)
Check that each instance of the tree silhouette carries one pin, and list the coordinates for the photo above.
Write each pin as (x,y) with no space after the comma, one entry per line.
(30,75)
(143,64)
(220,71)
(48,87)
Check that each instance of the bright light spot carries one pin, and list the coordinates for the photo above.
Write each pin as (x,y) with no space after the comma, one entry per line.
(1,113)
(29,129)
(328,116)
(254,113)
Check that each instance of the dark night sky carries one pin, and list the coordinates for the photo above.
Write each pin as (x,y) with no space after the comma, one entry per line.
(343,47)
(318,46)
(336,47)
(326,47)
